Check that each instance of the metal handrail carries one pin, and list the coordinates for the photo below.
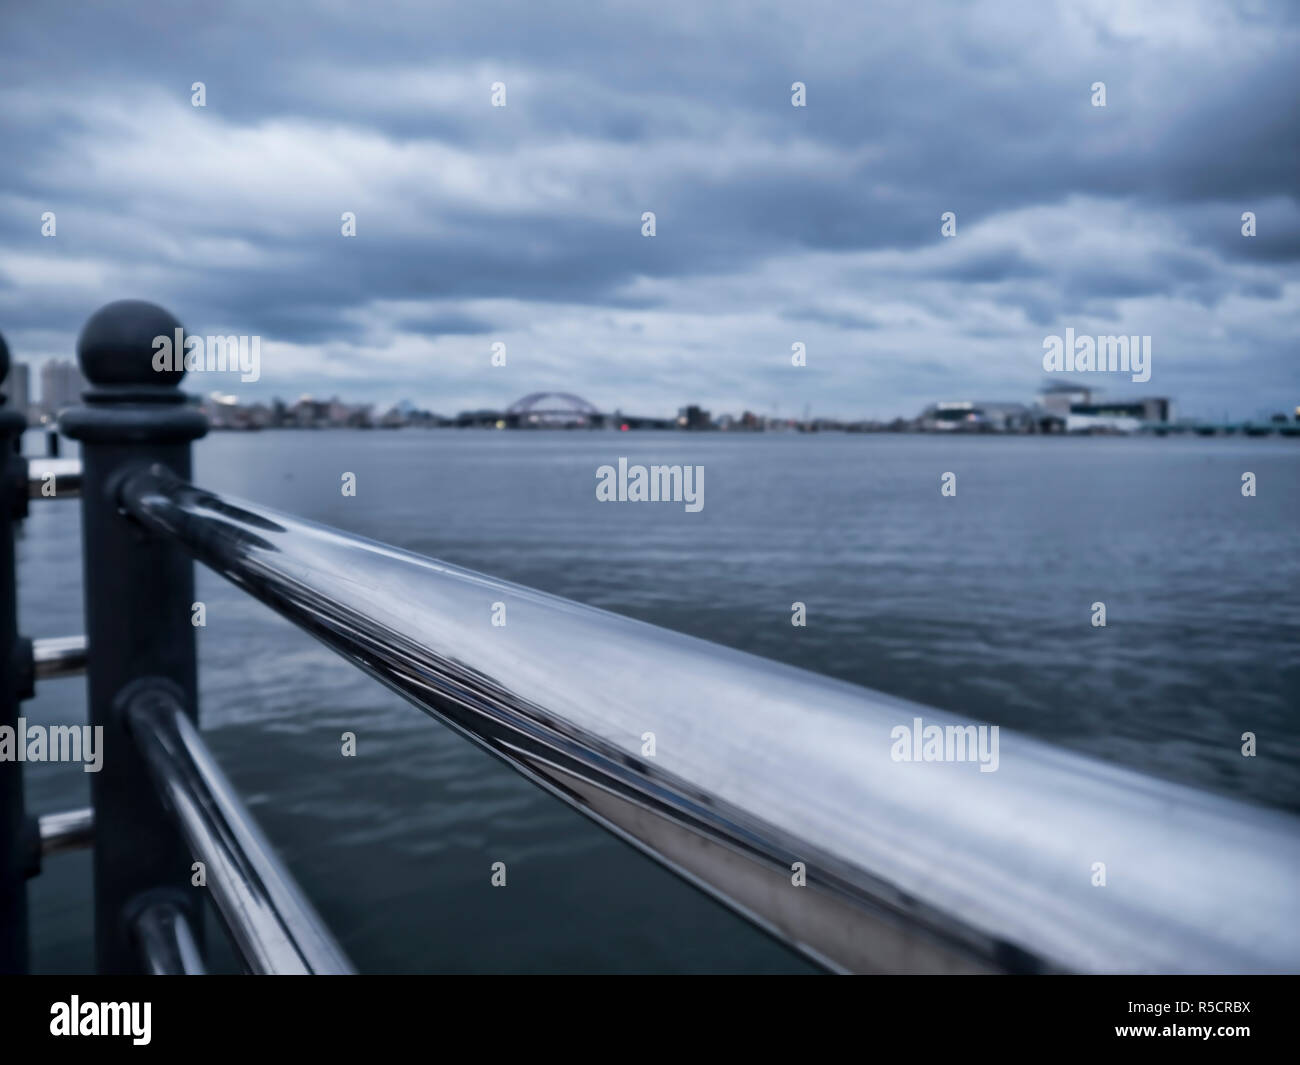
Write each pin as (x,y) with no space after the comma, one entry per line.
(274,927)
(759,768)
(66,831)
(167,943)
(59,656)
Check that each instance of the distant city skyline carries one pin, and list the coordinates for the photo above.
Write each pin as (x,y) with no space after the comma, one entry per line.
(62,384)
(1058,408)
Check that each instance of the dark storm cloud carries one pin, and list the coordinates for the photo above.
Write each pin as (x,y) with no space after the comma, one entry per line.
(524,222)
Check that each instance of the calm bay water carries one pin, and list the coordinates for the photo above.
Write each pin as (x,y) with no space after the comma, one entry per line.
(979,604)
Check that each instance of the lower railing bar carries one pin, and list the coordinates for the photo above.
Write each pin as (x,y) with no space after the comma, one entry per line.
(167,944)
(59,656)
(274,927)
(53,478)
(68,830)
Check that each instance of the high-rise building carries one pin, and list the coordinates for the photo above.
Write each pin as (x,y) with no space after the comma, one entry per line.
(17,388)
(693,417)
(61,385)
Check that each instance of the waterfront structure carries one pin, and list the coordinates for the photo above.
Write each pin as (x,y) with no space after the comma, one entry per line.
(971,416)
(693,417)
(1119,416)
(480,419)
(1061,408)
(553,410)
(1059,396)
(224,411)
(636,421)
(1084,410)
(404,413)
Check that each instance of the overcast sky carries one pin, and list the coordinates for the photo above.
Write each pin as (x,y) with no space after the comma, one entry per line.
(775,224)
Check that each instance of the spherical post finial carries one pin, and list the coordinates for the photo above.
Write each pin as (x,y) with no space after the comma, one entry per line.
(132,353)
(119,343)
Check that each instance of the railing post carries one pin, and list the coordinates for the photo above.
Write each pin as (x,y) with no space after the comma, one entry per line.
(139,590)
(15,830)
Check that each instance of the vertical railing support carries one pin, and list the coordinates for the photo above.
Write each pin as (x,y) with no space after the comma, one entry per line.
(15,829)
(139,590)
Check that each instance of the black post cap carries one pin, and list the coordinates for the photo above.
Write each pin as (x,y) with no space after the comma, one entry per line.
(129,401)
(4,358)
(118,344)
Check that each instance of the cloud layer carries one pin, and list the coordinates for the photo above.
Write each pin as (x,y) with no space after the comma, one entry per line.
(775,224)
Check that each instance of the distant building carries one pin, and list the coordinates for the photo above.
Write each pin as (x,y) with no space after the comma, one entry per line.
(340,415)
(61,386)
(1008,417)
(225,412)
(1059,396)
(970,416)
(1119,416)
(693,417)
(1086,412)
(948,417)
(480,419)
(308,413)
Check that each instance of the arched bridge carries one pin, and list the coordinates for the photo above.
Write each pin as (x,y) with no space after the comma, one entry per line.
(553,409)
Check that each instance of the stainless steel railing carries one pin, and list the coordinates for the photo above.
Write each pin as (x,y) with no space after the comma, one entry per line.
(759,770)
(275,930)
(167,942)
(59,656)
(274,927)
(66,831)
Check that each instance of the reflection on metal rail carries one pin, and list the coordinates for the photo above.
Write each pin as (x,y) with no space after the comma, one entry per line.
(759,766)
(271,922)
(59,656)
(69,830)
(167,943)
